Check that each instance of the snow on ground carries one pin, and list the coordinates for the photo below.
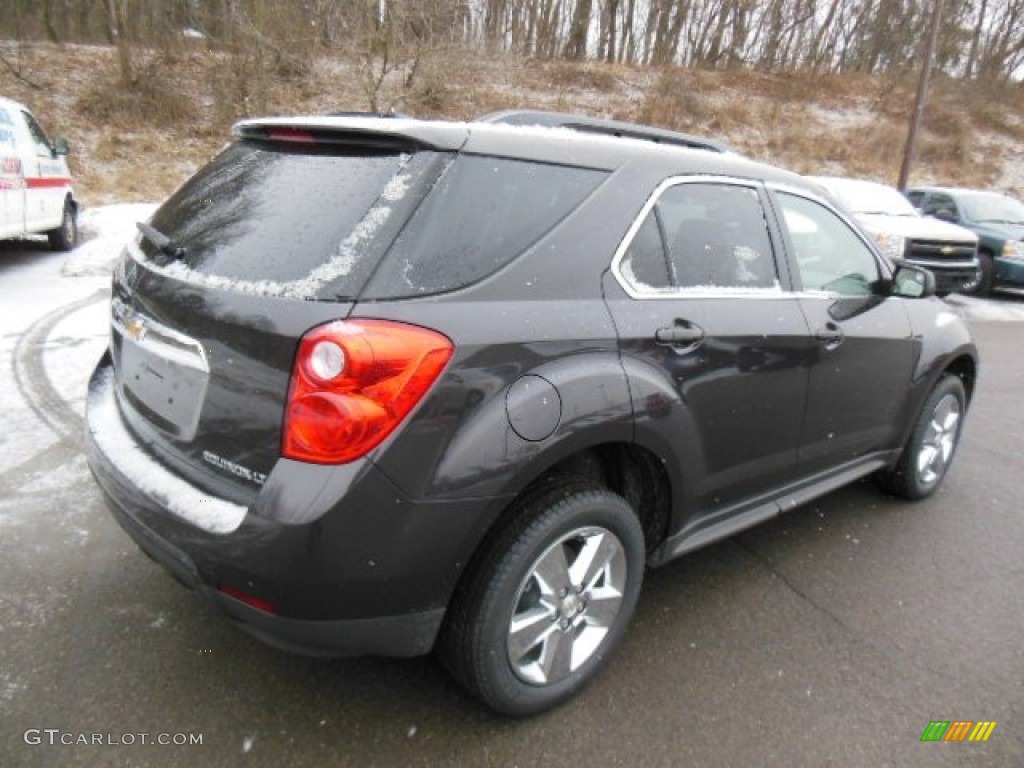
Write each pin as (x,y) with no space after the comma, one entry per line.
(104,230)
(74,345)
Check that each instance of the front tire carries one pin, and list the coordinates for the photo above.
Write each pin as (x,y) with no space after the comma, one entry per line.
(932,445)
(986,276)
(547,601)
(64,237)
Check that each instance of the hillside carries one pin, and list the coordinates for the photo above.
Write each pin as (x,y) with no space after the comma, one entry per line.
(139,142)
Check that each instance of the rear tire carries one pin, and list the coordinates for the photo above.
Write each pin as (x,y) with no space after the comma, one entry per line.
(64,237)
(547,601)
(932,444)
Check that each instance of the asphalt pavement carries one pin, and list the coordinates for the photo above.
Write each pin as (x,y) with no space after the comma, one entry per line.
(831,636)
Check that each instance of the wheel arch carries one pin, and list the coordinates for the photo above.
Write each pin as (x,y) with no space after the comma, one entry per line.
(629,470)
(964,367)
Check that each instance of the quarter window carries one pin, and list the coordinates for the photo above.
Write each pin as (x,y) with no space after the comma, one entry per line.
(829,255)
(701,235)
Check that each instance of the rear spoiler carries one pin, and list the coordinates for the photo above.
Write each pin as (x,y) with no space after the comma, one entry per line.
(603,127)
(375,133)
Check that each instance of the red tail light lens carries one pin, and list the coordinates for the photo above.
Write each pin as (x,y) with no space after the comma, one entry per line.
(353,383)
(256,602)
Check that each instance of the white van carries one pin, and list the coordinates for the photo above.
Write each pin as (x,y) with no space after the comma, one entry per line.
(36,195)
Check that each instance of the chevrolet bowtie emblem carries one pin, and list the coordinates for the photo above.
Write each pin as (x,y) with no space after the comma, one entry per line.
(947,249)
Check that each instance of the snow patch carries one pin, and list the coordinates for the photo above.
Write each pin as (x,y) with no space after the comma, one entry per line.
(105,230)
(58,479)
(148,476)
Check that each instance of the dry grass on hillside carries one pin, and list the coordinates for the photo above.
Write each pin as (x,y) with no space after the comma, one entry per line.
(140,142)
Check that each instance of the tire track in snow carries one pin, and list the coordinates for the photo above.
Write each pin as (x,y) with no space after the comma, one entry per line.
(30,376)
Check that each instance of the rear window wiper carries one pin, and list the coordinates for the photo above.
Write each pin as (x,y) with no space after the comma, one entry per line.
(166,246)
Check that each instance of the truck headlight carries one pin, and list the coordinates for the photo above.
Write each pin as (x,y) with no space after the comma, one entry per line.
(1013,249)
(891,245)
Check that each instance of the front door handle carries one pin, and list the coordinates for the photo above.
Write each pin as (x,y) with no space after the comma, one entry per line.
(680,334)
(830,334)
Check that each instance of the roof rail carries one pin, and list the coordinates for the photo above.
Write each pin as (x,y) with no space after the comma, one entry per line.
(586,124)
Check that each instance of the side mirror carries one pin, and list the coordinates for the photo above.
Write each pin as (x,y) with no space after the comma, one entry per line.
(60,147)
(912,282)
(944,214)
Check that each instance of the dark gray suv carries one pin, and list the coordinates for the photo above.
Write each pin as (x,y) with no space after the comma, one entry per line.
(383,386)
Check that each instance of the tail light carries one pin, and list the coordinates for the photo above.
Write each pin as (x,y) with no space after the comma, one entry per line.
(353,382)
(256,602)
(289,134)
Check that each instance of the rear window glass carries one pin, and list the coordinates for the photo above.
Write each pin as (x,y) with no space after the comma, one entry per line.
(481,214)
(287,221)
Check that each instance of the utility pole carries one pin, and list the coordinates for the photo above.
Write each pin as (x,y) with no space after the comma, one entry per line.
(922,95)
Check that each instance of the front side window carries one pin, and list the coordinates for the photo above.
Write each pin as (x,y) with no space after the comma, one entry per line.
(830,256)
(39,138)
(992,208)
(701,236)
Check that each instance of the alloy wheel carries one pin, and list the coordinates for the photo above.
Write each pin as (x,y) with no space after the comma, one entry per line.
(566,605)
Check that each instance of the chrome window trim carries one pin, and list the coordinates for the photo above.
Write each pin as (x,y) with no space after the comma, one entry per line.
(709,292)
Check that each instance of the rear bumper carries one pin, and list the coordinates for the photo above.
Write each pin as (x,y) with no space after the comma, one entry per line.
(371,575)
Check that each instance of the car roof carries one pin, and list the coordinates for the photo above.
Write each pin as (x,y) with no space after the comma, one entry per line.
(555,143)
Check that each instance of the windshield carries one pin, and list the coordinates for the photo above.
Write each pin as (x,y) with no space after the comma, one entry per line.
(988,206)
(868,197)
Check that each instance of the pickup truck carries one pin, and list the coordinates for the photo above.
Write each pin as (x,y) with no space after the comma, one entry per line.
(997,219)
(900,232)
(36,193)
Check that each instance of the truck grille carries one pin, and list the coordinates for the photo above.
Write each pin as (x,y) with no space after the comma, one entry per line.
(938,250)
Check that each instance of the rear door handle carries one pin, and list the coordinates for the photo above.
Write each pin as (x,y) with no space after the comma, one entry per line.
(680,334)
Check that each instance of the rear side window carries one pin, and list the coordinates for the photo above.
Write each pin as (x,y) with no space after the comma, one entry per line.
(482,214)
(699,236)
(288,221)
